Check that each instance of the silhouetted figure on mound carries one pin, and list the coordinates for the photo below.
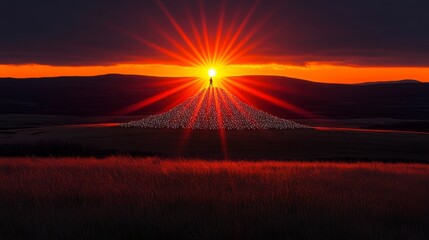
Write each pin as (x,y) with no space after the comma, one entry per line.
(211,81)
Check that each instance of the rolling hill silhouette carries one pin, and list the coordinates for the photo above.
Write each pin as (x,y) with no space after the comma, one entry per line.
(105,95)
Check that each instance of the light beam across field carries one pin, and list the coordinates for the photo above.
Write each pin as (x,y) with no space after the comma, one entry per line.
(209,55)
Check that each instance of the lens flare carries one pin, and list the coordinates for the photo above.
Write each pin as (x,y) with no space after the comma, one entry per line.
(207,48)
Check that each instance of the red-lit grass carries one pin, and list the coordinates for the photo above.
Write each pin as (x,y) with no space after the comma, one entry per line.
(122,197)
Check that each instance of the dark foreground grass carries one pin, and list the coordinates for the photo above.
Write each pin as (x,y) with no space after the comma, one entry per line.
(130,198)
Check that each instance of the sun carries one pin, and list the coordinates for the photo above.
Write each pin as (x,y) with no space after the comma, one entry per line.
(215,72)
(212,72)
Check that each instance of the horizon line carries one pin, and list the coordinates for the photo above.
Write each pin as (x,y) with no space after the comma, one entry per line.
(251,75)
(314,72)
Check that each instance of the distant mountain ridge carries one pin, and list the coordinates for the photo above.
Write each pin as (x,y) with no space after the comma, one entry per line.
(392,82)
(107,94)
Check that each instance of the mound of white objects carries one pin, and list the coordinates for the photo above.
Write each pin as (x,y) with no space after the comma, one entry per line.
(214,108)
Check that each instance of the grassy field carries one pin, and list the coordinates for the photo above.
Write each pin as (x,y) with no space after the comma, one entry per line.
(149,198)
(308,145)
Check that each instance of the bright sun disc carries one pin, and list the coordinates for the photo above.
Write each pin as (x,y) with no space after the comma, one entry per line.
(212,72)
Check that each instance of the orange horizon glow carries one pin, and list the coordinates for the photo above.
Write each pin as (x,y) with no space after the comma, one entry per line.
(312,72)
(200,50)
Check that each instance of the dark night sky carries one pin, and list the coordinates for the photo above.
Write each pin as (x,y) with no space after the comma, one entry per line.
(366,32)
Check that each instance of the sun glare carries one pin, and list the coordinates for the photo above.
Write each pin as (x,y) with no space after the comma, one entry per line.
(208,55)
(216,72)
(212,72)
